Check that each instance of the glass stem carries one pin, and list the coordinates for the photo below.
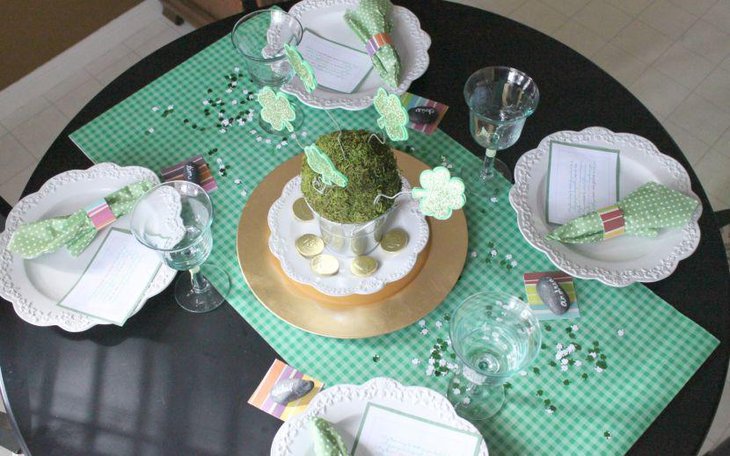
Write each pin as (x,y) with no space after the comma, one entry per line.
(200,283)
(488,165)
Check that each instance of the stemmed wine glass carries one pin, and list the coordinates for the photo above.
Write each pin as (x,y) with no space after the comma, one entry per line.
(260,38)
(500,99)
(174,218)
(494,336)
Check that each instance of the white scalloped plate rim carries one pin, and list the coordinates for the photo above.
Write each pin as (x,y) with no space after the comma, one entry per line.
(419,43)
(279,246)
(65,319)
(574,264)
(293,436)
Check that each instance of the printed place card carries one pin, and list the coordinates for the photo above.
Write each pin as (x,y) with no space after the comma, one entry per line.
(115,281)
(581,179)
(336,66)
(261,398)
(387,431)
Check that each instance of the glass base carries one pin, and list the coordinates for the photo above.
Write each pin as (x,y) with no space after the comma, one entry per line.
(215,287)
(488,187)
(296,123)
(475,402)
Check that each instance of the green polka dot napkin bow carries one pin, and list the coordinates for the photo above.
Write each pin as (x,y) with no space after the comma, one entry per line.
(371,23)
(327,442)
(75,231)
(644,212)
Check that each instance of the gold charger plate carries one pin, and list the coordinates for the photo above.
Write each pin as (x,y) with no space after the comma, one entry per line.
(398,305)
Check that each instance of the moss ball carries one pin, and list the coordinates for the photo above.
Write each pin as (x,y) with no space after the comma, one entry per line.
(370,168)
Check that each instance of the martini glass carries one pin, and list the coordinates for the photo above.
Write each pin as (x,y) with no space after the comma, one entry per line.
(500,99)
(494,336)
(174,219)
(260,38)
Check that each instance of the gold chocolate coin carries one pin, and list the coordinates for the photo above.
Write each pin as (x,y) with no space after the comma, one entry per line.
(325,265)
(394,240)
(301,210)
(309,245)
(363,266)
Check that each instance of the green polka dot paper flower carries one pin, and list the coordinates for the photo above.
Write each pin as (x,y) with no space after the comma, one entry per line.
(276,109)
(439,194)
(301,67)
(322,165)
(393,116)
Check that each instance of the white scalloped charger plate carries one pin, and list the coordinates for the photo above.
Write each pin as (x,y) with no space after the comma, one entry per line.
(35,286)
(285,229)
(325,18)
(620,261)
(343,406)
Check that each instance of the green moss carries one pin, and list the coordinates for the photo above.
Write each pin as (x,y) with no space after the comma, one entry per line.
(371,169)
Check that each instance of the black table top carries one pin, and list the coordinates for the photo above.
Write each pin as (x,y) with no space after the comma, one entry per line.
(172,382)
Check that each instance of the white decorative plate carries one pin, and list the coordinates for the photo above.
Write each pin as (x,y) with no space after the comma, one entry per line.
(325,18)
(36,286)
(285,229)
(343,406)
(623,260)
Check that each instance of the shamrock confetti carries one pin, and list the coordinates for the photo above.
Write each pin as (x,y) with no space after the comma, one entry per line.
(440,193)
(322,165)
(276,109)
(301,67)
(393,116)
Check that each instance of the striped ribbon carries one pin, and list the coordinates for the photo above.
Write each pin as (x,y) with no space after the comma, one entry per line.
(100,214)
(613,221)
(376,42)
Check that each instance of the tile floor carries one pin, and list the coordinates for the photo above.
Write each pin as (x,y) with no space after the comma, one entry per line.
(674,55)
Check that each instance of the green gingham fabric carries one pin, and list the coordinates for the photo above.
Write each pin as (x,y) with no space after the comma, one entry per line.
(631,351)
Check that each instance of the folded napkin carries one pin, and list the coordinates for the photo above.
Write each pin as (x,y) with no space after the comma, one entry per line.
(327,441)
(644,212)
(371,23)
(75,231)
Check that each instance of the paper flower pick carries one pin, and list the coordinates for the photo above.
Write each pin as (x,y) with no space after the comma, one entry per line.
(322,165)
(440,193)
(393,116)
(276,109)
(301,67)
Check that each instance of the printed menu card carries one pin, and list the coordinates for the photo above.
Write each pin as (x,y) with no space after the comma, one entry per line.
(336,67)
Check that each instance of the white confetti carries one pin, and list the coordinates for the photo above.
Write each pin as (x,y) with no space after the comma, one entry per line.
(206,102)
(150,130)
(245,91)
(578,363)
(493,253)
(244,193)
(523,373)
(424,331)
(259,138)
(284,143)
(592,354)
(442,362)
(456,391)
(253,132)
(493,199)
(278,146)
(466,401)
(564,361)
(415,361)
(222,130)
(575,327)
(559,346)
(241,122)
(599,369)
(422,323)
(229,90)
(293,135)
(620,333)
(268,141)
(225,122)
(438,323)
(170,107)
(429,370)
(508,257)
(237,181)
(234,102)
(304,133)
(549,411)
(236,69)
(473,253)
(564,367)
(431,361)
(155,108)
(513,263)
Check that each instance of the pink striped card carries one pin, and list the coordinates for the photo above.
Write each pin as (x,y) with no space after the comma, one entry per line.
(411,101)
(261,398)
(175,172)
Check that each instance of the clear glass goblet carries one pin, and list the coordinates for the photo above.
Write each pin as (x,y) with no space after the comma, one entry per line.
(174,218)
(500,99)
(260,38)
(494,336)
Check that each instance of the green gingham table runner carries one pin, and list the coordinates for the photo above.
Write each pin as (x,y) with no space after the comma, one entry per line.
(630,352)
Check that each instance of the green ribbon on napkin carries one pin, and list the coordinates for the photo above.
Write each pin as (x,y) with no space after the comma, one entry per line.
(369,20)
(327,441)
(646,210)
(75,231)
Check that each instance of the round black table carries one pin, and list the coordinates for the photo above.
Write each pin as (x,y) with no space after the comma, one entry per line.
(172,382)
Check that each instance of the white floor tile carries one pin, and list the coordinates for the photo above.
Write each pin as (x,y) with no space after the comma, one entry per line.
(32,107)
(501,7)
(722,146)
(642,41)
(603,19)
(713,173)
(103,62)
(539,16)
(693,148)
(722,417)
(631,7)
(702,118)
(579,38)
(12,189)
(567,7)
(716,89)
(156,42)
(696,7)
(684,66)
(13,157)
(658,92)
(115,69)
(147,32)
(72,103)
(707,40)
(69,84)
(620,64)
(37,133)
(725,65)
(719,15)
(668,18)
